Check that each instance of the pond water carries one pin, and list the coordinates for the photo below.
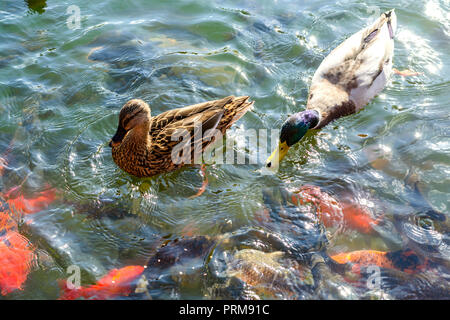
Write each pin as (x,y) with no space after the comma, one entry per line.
(62,87)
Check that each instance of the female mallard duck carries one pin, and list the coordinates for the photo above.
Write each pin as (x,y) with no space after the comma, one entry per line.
(143,145)
(346,80)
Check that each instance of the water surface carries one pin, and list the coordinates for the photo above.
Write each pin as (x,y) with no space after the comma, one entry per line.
(61,90)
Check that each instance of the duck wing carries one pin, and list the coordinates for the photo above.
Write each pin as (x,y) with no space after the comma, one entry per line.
(176,117)
(192,128)
(194,121)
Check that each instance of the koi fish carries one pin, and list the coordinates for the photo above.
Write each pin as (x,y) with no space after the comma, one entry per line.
(18,203)
(403,260)
(358,217)
(118,282)
(16,256)
(332,212)
(16,251)
(406,72)
(6,223)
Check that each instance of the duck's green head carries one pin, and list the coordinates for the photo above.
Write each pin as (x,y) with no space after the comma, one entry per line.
(292,131)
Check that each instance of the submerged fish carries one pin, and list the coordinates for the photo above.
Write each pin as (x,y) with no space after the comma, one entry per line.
(18,203)
(118,282)
(403,260)
(16,251)
(16,255)
(401,275)
(333,212)
(7,224)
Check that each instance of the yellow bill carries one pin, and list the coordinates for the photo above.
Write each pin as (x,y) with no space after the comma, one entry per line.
(277,155)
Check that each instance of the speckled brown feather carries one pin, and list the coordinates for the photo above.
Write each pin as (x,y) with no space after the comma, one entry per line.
(144,155)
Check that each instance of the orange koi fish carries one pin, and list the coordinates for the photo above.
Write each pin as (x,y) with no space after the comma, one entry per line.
(7,224)
(18,203)
(406,72)
(332,212)
(116,283)
(16,251)
(16,256)
(403,260)
(358,217)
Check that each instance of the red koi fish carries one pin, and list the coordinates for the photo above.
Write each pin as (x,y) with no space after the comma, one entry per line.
(116,283)
(403,260)
(7,224)
(16,256)
(332,212)
(16,251)
(18,203)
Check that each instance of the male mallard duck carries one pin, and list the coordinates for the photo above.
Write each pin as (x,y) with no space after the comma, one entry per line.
(346,80)
(143,145)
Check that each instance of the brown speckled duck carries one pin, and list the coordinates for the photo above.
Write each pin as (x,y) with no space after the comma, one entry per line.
(142,145)
(346,80)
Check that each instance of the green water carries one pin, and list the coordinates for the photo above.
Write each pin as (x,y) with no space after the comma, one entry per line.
(59,108)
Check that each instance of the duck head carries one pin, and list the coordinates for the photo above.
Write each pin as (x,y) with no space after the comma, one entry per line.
(134,116)
(292,131)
